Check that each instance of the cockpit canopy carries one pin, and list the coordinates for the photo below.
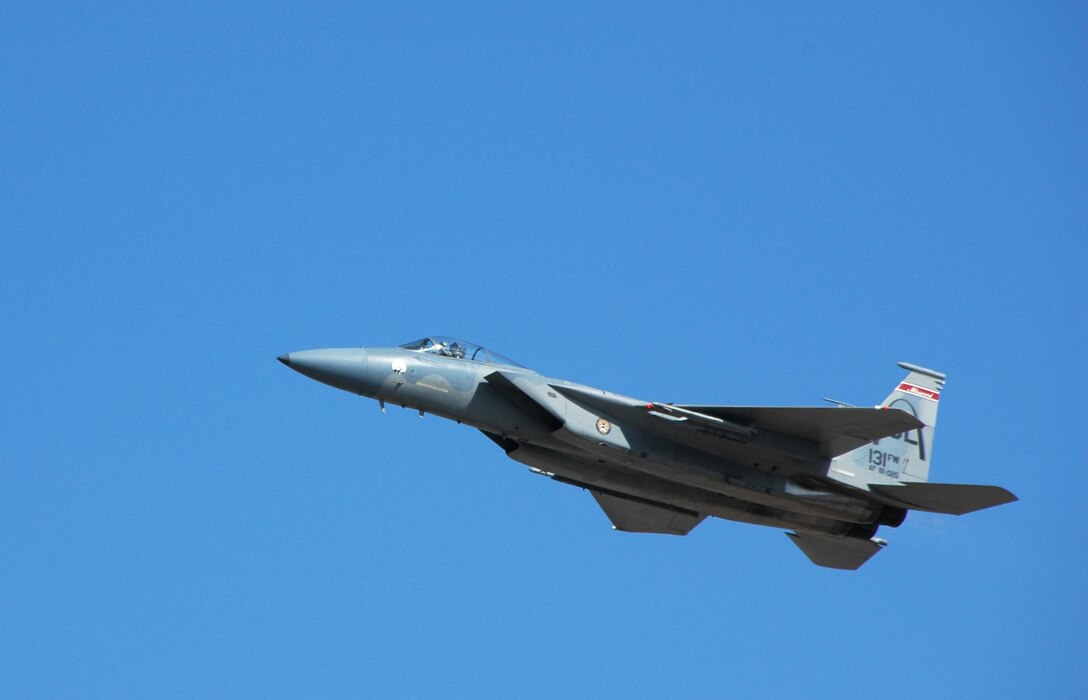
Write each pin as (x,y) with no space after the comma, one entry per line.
(458,349)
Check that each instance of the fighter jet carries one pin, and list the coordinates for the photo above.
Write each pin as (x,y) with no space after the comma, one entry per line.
(830,475)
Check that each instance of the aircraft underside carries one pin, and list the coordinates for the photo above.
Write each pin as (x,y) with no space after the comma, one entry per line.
(621,482)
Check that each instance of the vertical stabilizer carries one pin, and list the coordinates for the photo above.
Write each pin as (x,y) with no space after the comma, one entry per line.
(906,456)
(918,395)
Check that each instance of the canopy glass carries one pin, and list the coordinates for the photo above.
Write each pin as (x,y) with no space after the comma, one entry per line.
(458,349)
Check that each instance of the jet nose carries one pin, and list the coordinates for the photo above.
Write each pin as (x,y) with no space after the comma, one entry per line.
(343,368)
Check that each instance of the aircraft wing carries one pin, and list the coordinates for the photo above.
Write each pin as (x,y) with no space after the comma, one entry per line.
(631,514)
(836,430)
(833,431)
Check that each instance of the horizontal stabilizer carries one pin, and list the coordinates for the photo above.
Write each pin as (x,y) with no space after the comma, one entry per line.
(953,499)
(835,552)
(639,515)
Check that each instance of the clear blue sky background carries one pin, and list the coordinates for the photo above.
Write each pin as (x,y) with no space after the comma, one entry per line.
(682,202)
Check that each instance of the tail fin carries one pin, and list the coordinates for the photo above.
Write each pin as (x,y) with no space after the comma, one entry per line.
(895,469)
(903,457)
(918,395)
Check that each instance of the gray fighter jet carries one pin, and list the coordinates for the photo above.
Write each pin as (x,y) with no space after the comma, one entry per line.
(833,475)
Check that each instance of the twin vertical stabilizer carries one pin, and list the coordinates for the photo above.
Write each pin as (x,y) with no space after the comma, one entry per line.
(896,468)
(918,395)
(903,457)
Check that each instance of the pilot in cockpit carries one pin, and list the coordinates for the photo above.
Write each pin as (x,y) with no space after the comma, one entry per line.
(449,349)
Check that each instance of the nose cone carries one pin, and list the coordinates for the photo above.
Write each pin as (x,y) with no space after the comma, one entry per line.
(343,368)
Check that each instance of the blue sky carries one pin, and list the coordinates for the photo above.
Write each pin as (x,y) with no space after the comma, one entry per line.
(682,202)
